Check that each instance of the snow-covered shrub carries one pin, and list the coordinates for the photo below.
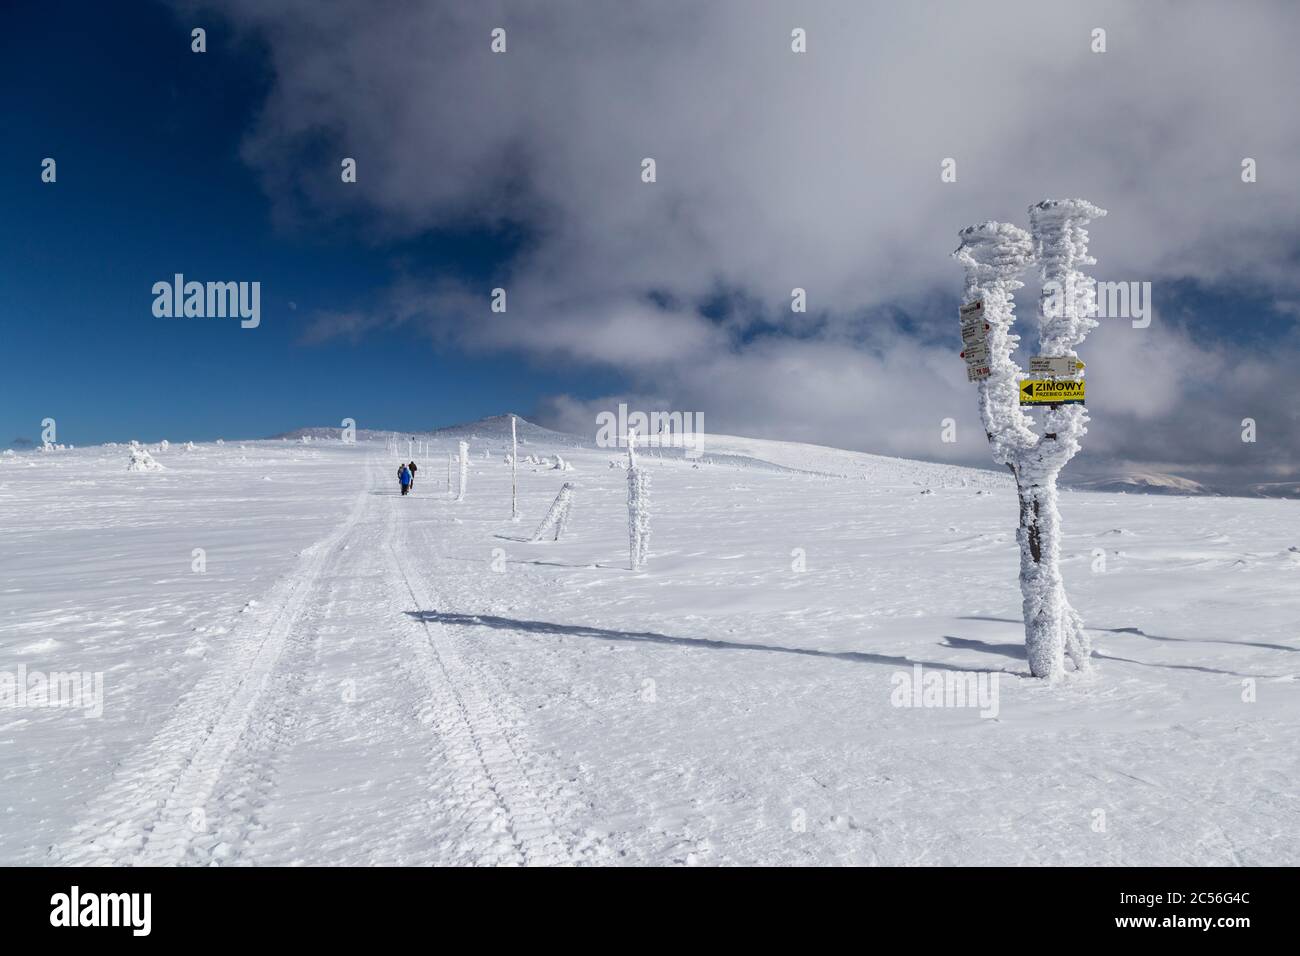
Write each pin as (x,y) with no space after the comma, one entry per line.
(164,445)
(141,460)
(557,516)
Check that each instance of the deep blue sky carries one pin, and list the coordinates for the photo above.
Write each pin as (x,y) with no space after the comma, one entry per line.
(150,182)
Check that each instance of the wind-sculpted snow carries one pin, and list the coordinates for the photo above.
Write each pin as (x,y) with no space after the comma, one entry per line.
(360,678)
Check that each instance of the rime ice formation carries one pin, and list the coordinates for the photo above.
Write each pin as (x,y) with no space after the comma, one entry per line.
(557,516)
(995,255)
(514,470)
(464,470)
(141,460)
(638,507)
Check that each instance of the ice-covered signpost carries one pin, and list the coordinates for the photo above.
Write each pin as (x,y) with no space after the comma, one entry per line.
(995,255)
(638,506)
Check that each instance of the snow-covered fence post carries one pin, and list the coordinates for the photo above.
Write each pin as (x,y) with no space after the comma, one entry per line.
(638,506)
(449,473)
(994,256)
(464,469)
(514,470)
(557,516)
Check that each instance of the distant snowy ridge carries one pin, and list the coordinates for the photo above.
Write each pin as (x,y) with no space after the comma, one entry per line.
(494,428)
(1153,483)
(841,463)
(800,457)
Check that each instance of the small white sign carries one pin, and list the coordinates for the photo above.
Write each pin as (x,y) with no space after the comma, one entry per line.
(1054,366)
(971,311)
(976,353)
(974,332)
(977,373)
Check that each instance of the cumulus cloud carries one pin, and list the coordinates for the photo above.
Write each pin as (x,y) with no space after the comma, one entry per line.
(779,170)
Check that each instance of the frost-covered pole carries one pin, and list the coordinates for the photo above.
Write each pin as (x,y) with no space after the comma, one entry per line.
(994,256)
(638,506)
(557,517)
(464,469)
(514,470)
(448,472)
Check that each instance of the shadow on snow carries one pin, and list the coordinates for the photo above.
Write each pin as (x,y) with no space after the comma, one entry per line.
(606,634)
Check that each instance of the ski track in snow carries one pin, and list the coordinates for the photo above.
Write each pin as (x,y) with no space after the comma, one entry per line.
(200,791)
(492,774)
(149,815)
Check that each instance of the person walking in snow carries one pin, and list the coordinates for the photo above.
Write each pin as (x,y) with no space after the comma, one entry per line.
(411,467)
(404,478)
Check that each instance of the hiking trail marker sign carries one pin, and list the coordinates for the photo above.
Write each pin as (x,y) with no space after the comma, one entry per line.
(974,340)
(1053,366)
(1052,392)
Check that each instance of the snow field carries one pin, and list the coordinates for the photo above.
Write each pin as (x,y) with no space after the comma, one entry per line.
(361,678)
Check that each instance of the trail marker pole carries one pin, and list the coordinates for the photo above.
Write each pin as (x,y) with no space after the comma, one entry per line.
(514,471)
(994,255)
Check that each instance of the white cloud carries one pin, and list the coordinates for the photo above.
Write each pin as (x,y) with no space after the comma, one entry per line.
(776,170)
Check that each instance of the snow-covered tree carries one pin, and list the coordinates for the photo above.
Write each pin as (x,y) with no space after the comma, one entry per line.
(638,506)
(557,516)
(464,470)
(995,255)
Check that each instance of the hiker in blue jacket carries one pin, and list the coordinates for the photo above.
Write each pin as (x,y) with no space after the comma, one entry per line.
(404,478)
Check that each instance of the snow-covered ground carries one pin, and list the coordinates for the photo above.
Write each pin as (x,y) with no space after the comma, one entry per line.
(356,677)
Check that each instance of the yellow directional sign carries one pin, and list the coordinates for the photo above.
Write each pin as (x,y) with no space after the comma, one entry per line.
(1051,392)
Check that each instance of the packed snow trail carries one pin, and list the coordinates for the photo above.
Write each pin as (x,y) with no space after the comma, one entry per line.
(157,802)
(467,720)
(235,774)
